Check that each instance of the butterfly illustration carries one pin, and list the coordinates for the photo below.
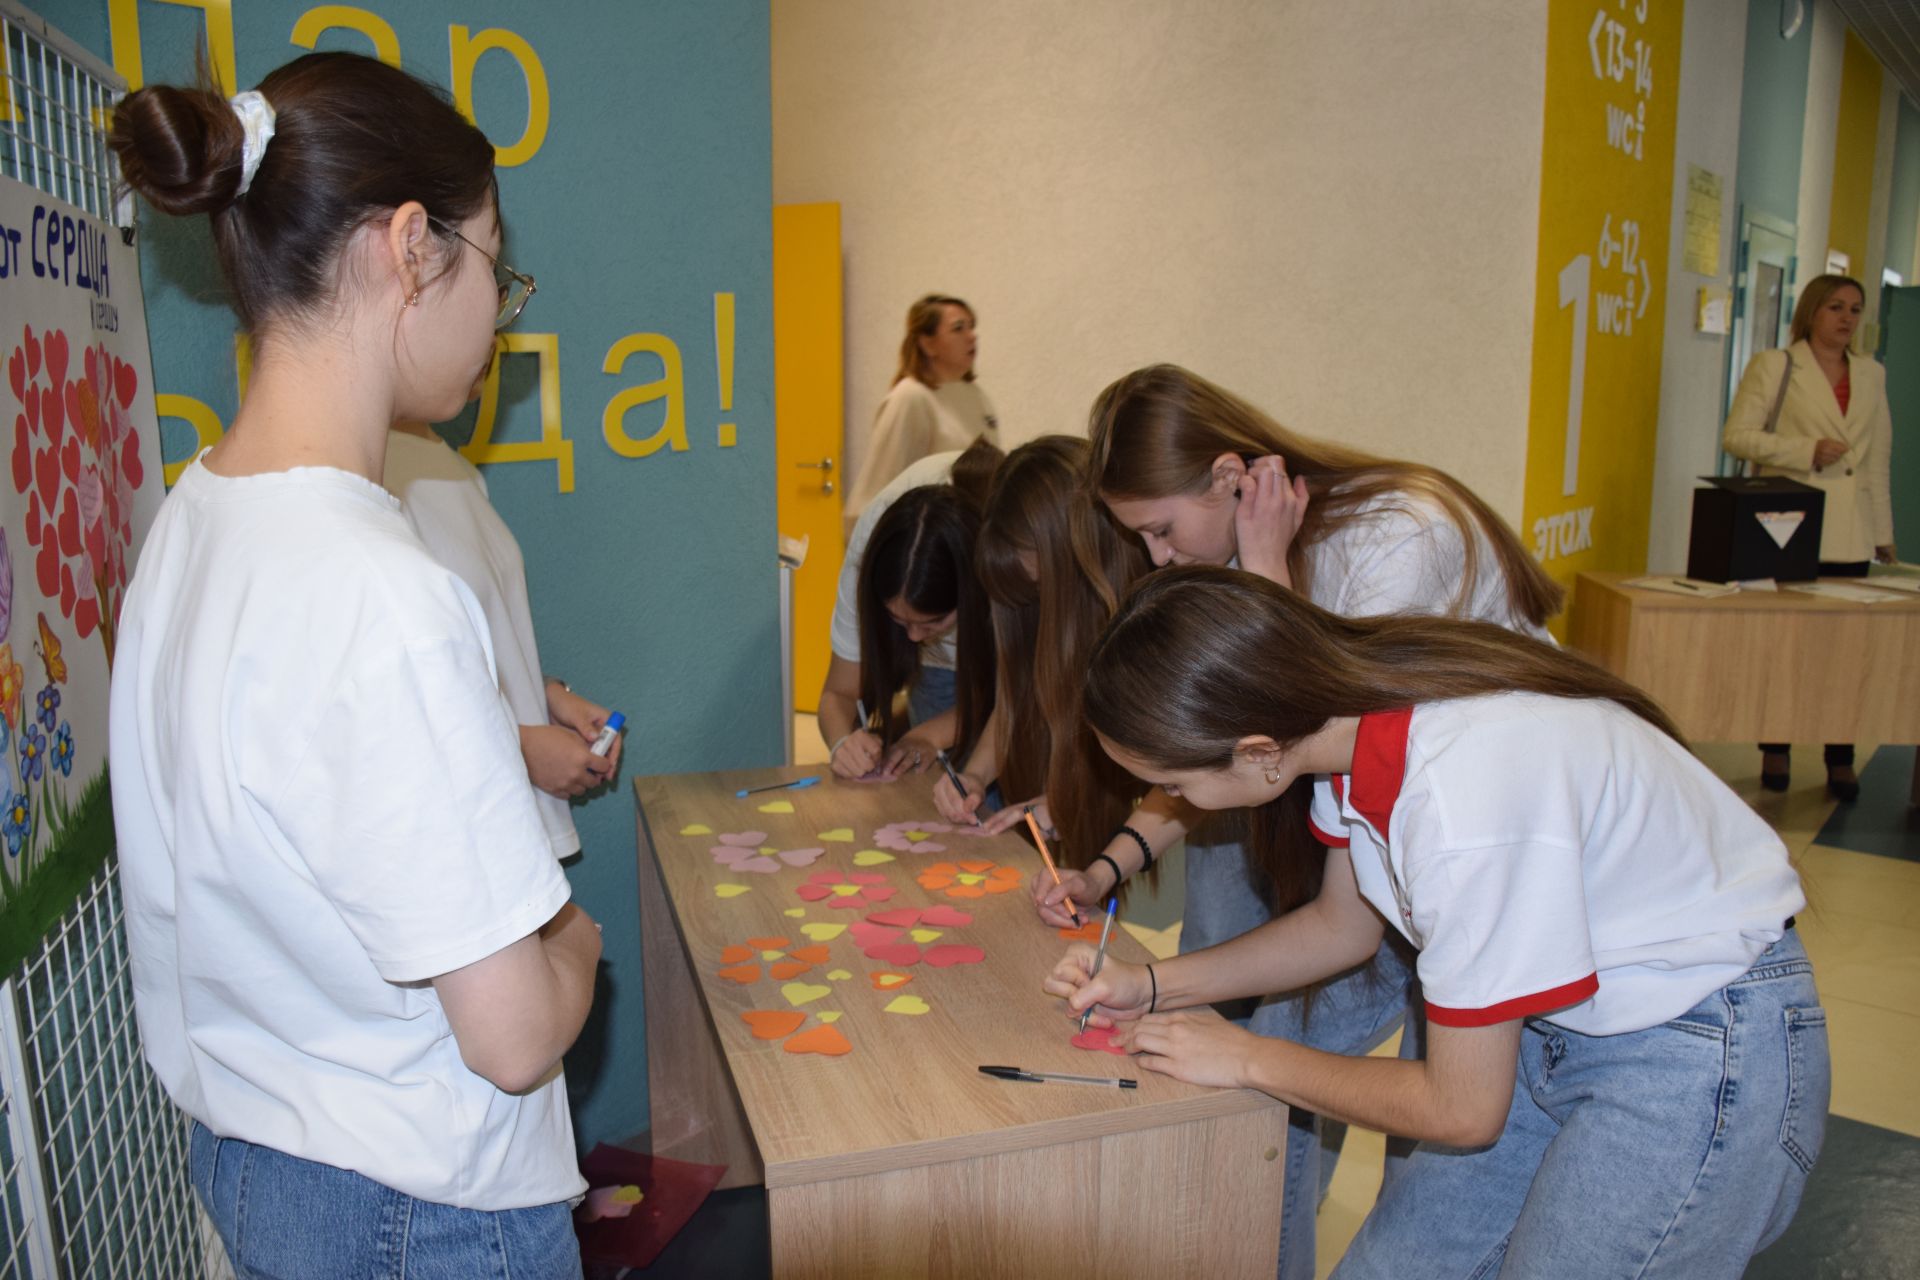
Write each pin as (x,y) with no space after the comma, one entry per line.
(49,650)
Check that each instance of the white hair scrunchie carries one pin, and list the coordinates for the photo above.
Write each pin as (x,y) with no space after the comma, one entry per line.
(256,118)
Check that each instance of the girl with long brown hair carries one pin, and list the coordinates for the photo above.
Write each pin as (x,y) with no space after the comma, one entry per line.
(1054,569)
(1626,1068)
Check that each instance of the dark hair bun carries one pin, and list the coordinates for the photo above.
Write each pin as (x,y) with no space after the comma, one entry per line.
(180,148)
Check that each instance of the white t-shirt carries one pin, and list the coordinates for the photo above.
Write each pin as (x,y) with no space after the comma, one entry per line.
(1557,858)
(915,420)
(1403,553)
(320,804)
(941,651)
(446,502)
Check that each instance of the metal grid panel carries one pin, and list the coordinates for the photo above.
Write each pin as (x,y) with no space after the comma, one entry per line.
(55,100)
(115,1147)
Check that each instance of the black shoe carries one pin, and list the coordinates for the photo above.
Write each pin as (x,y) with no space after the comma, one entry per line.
(1845,790)
(1772,779)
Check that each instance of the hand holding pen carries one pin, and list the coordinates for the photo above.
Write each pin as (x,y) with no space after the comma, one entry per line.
(1100,959)
(1123,991)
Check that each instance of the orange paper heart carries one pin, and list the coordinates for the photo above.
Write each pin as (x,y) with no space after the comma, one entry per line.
(812,955)
(822,1040)
(789,969)
(736,955)
(769,944)
(888,981)
(741,973)
(771,1024)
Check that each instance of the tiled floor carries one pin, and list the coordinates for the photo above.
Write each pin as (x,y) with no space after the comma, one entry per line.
(1861,867)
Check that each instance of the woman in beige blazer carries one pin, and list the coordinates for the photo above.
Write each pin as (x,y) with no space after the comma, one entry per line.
(1817,413)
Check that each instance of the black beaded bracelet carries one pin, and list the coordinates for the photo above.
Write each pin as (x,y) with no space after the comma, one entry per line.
(1118,876)
(1146,850)
(1153,1003)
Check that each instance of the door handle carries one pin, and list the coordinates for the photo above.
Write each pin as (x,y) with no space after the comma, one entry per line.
(825,464)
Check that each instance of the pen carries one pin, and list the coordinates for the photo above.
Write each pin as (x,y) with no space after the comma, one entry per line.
(1682,582)
(954,778)
(796,785)
(1041,1077)
(1052,870)
(860,710)
(1100,958)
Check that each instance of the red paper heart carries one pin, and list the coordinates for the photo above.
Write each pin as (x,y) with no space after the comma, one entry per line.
(69,523)
(853,903)
(17,375)
(952,953)
(866,934)
(814,892)
(46,476)
(899,917)
(22,454)
(57,355)
(945,917)
(1098,1038)
(879,892)
(900,953)
(126,381)
(32,345)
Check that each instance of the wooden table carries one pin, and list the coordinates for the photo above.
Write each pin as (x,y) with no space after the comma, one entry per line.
(1760,666)
(900,1158)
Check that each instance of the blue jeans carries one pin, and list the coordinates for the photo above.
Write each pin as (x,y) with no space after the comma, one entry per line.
(1678,1151)
(931,694)
(284,1218)
(1351,1014)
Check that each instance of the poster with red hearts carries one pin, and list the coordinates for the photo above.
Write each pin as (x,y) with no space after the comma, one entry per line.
(83,481)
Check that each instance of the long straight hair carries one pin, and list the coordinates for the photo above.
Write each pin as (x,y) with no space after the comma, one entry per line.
(1156,432)
(1044,628)
(1226,655)
(921,552)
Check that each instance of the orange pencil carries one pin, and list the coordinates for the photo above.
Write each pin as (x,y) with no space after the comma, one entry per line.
(1052,870)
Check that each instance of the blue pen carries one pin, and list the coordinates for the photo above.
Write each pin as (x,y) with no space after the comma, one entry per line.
(798,784)
(1113,904)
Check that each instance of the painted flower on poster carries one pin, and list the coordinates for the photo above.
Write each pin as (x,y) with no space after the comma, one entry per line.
(62,750)
(48,700)
(18,822)
(76,458)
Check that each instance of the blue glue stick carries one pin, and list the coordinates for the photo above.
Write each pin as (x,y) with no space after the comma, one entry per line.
(609,734)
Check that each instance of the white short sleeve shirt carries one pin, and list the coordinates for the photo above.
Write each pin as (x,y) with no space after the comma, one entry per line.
(445,500)
(1555,858)
(940,651)
(320,804)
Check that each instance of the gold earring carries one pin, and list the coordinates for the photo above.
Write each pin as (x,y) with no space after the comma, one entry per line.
(410,301)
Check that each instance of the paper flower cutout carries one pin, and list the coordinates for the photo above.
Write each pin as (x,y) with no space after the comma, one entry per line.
(911,837)
(747,851)
(848,890)
(740,967)
(974,878)
(774,1024)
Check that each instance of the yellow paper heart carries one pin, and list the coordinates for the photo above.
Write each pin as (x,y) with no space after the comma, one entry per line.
(838,975)
(696,829)
(769,849)
(628,1195)
(828,1015)
(924,935)
(777,806)
(795,912)
(908,1005)
(966,877)
(845,890)
(821,931)
(798,993)
(871,857)
(892,979)
(915,836)
(839,835)
(731,890)
(771,955)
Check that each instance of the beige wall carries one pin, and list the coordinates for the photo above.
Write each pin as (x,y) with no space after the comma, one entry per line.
(1331,208)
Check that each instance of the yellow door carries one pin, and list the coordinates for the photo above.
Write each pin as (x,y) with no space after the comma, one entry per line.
(808,411)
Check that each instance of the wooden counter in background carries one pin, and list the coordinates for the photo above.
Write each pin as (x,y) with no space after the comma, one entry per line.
(1760,666)
(900,1158)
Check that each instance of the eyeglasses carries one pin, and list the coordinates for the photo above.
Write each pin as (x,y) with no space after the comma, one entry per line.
(514,287)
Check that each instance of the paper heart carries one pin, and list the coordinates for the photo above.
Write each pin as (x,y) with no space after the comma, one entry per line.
(771,1024)
(801,857)
(821,931)
(730,890)
(741,973)
(897,917)
(769,943)
(854,903)
(925,935)
(867,934)
(880,892)
(872,857)
(823,1040)
(845,890)
(777,806)
(945,916)
(1088,932)
(789,969)
(812,955)
(768,850)
(798,993)
(1098,1038)
(759,866)
(884,981)
(770,955)
(912,1005)
(795,912)
(967,877)
(839,835)
(951,953)
(900,953)
(814,892)
(828,1015)
(696,829)
(735,955)
(744,839)
(976,865)
(838,975)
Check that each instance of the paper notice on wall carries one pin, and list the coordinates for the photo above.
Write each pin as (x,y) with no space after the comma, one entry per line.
(1702,254)
(1780,525)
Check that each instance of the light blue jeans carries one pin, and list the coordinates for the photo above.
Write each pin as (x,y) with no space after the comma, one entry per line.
(1679,1151)
(284,1218)
(1351,1014)
(931,695)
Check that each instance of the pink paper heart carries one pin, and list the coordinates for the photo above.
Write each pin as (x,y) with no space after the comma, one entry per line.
(952,953)
(902,917)
(854,903)
(1098,1038)
(815,892)
(945,916)
(879,893)
(758,863)
(801,857)
(745,839)
(895,953)
(866,934)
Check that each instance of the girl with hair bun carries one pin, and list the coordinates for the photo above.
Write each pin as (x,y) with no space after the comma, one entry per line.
(354,959)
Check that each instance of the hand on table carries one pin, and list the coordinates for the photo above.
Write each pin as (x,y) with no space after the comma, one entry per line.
(857,755)
(912,754)
(1199,1048)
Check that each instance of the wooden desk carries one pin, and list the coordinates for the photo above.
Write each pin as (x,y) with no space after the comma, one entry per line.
(1759,666)
(900,1158)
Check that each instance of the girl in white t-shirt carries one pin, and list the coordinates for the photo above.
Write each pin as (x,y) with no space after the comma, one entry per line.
(355,964)
(1626,1069)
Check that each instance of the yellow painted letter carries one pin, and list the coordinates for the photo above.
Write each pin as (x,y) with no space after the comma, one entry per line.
(464,53)
(670,386)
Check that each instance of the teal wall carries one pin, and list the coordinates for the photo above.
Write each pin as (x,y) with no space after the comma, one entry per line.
(654,583)
(1903,209)
(1773,108)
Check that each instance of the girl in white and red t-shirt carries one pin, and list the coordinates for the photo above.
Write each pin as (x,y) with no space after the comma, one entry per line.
(1626,1067)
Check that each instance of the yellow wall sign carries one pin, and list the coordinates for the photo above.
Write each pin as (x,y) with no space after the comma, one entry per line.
(1606,192)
